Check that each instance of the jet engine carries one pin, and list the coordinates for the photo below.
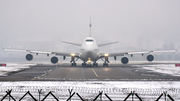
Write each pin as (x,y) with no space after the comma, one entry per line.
(150,58)
(29,57)
(124,60)
(54,60)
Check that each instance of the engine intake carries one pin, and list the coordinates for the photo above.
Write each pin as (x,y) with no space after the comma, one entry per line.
(54,60)
(124,60)
(150,58)
(29,57)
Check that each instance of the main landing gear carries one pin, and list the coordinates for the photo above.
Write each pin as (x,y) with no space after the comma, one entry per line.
(95,64)
(73,61)
(105,64)
(73,64)
(84,64)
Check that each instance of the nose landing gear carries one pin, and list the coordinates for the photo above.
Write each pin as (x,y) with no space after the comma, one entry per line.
(88,64)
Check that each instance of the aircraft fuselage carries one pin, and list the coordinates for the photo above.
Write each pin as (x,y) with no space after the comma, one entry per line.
(89,50)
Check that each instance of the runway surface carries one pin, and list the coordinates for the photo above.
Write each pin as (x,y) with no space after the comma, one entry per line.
(64,72)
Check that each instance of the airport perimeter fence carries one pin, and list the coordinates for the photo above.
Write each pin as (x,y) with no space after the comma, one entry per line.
(87,94)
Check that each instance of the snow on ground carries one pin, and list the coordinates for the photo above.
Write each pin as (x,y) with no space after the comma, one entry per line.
(163,68)
(148,90)
(96,84)
(13,67)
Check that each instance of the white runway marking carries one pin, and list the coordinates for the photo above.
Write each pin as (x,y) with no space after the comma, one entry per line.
(94,72)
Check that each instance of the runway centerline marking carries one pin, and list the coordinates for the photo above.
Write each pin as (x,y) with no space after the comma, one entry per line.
(94,72)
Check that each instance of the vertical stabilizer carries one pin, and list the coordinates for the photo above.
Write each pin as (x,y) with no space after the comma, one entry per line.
(90,28)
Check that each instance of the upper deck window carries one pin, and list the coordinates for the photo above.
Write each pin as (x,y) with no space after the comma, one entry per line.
(89,40)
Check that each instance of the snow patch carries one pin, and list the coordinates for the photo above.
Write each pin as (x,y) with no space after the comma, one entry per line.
(13,67)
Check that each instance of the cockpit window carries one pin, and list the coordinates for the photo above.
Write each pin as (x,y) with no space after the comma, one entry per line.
(89,40)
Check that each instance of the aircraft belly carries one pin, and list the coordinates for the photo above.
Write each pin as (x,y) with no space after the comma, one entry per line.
(89,55)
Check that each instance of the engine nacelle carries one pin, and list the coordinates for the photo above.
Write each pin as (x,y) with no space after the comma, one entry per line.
(150,58)
(54,60)
(124,60)
(29,57)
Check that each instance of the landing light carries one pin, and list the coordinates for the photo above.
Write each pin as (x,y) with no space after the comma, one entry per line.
(89,61)
(73,54)
(106,55)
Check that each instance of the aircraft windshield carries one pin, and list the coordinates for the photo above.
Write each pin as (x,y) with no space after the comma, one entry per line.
(89,40)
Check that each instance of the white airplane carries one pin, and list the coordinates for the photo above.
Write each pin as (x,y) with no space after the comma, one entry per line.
(89,52)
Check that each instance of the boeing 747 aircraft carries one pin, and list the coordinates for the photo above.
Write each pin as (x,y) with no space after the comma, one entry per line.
(89,52)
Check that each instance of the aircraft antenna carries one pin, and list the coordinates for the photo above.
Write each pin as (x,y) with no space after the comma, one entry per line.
(90,27)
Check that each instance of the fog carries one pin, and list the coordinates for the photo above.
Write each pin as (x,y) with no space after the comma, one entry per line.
(43,24)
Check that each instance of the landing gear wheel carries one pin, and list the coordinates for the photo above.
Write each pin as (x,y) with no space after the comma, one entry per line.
(73,64)
(83,64)
(89,65)
(95,64)
(105,64)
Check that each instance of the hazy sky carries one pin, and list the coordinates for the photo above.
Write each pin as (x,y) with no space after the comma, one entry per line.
(43,24)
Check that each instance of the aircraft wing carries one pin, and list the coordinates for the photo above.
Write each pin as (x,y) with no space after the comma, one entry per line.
(76,44)
(42,52)
(104,44)
(134,53)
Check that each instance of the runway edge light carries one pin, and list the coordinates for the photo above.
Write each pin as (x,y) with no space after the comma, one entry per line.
(3,64)
(177,65)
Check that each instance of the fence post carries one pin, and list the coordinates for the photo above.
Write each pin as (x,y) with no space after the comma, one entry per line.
(9,94)
(101,95)
(70,96)
(70,91)
(132,92)
(39,91)
(165,94)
